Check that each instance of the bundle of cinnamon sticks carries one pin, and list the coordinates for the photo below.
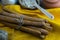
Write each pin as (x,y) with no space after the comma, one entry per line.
(36,26)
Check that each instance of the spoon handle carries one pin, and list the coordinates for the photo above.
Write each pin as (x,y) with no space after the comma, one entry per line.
(44,11)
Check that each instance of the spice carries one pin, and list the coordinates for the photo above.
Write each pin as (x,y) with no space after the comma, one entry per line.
(32,31)
(24,16)
(25,22)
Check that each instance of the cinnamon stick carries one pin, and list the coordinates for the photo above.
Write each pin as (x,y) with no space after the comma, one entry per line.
(15,15)
(25,29)
(43,31)
(25,22)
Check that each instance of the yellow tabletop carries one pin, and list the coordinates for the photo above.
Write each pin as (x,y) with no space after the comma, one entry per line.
(18,35)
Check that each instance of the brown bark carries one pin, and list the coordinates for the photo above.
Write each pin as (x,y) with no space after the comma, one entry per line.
(43,31)
(13,14)
(25,22)
(30,30)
